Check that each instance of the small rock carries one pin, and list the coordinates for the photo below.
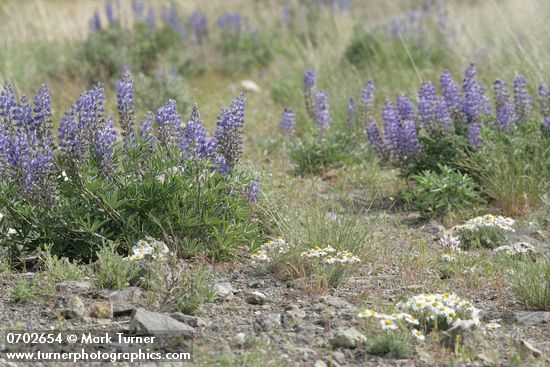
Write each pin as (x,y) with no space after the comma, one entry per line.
(122,308)
(543,248)
(339,357)
(485,360)
(240,339)
(255,298)
(320,363)
(347,338)
(433,228)
(250,86)
(306,353)
(256,283)
(223,290)
(295,313)
(101,310)
(125,300)
(532,318)
(412,217)
(73,286)
(75,309)
(527,348)
(193,321)
(337,302)
(465,333)
(268,322)
(153,323)
(129,294)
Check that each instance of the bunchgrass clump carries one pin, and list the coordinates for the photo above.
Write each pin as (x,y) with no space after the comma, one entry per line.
(398,344)
(113,271)
(179,290)
(530,280)
(60,268)
(323,247)
(513,169)
(23,291)
(314,155)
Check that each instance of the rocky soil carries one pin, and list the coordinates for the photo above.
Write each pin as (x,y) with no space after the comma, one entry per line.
(258,319)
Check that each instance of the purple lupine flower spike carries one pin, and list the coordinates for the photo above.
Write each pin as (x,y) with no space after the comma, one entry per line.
(322,116)
(8,104)
(409,146)
(522,100)
(195,143)
(230,131)
(288,121)
(95,22)
(253,190)
(476,104)
(310,90)
(451,93)
(109,12)
(43,122)
(427,103)
(168,121)
(473,135)
(151,18)
(442,116)
(544,100)
(390,115)
(352,112)
(405,108)
(146,134)
(138,8)
(367,103)
(126,109)
(375,140)
(69,138)
(105,146)
(505,111)
(198,22)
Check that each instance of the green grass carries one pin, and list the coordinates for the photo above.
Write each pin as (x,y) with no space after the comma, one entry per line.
(23,291)
(113,271)
(530,281)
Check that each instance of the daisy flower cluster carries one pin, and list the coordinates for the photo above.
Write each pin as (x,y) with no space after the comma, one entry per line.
(329,255)
(394,321)
(516,248)
(485,231)
(148,248)
(489,220)
(441,311)
(266,252)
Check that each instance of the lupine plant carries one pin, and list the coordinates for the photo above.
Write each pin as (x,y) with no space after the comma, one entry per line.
(149,39)
(448,126)
(166,179)
(324,147)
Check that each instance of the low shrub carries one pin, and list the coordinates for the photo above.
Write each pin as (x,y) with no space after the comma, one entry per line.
(166,180)
(114,271)
(60,268)
(447,191)
(23,291)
